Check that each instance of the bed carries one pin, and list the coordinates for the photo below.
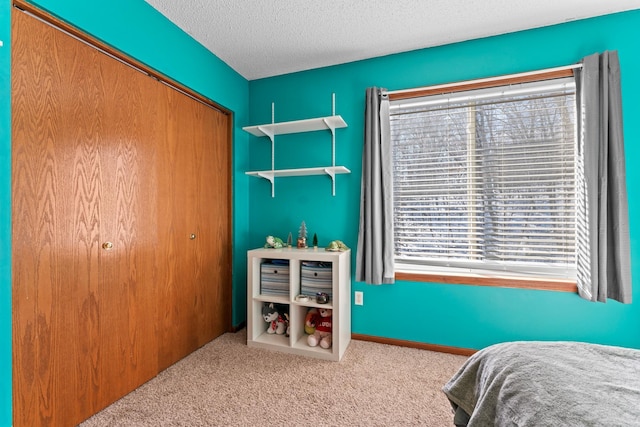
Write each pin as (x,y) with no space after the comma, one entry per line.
(534,383)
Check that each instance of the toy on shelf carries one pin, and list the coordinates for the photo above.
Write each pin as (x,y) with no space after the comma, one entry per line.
(321,322)
(277,323)
(274,243)
(337,246)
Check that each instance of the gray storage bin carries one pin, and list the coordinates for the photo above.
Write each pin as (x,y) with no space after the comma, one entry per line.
(274,279)
(315,277)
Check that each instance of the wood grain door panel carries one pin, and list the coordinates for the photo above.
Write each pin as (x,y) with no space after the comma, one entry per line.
(55,226)
(103,153)
(189,178)
(171,276)
(214,199)
(128,296)
(83,317)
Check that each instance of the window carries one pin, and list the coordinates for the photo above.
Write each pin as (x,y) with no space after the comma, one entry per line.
(484,181)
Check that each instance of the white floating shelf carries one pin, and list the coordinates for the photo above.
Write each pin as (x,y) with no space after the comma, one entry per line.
(270,175)
(328,170)
(298,126)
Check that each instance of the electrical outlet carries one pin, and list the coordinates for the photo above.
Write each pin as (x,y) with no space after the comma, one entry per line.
(359,297)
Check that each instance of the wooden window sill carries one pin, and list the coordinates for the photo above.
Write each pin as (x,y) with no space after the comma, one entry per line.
(501,282)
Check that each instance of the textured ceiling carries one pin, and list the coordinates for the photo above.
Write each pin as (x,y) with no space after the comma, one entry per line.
(264,38)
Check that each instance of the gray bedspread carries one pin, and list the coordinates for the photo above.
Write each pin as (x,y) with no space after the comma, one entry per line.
(549,384)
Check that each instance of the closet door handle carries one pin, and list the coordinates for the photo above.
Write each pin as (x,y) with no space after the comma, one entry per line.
(192,236)
(107,246)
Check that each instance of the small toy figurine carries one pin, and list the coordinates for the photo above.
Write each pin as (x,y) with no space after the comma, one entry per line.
(337,246)
(276,321)
(274,242)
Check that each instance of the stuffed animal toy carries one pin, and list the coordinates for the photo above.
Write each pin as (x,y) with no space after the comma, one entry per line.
(309,325)
(276,322)
(274,242)
(322,334)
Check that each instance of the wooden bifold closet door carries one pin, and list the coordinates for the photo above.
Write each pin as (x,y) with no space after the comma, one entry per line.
(121,226)
(195,192)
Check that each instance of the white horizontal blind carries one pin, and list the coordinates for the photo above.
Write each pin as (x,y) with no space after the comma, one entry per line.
(485,179)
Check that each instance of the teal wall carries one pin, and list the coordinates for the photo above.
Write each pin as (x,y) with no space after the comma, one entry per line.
(133,27)
(5,217)
(452,315)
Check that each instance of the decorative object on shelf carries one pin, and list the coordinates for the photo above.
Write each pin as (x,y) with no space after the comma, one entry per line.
(302,235)
(322,334)
(302,298)
(276,321)
(322,298)
(274,242)
(315,240)
(289,240)
(337,246)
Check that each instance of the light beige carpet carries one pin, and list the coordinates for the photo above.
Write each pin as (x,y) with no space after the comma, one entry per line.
(226,383)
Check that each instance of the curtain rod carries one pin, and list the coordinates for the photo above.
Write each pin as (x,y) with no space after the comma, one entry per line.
(487,79)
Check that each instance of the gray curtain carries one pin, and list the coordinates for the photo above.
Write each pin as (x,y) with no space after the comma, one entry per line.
(374,256)
(604,265)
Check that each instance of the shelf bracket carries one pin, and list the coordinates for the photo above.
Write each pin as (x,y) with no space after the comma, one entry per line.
(267,132)
(332,174)
(269,176)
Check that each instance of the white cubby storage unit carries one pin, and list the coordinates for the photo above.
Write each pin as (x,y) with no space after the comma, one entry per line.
(272,129)
(296,342)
